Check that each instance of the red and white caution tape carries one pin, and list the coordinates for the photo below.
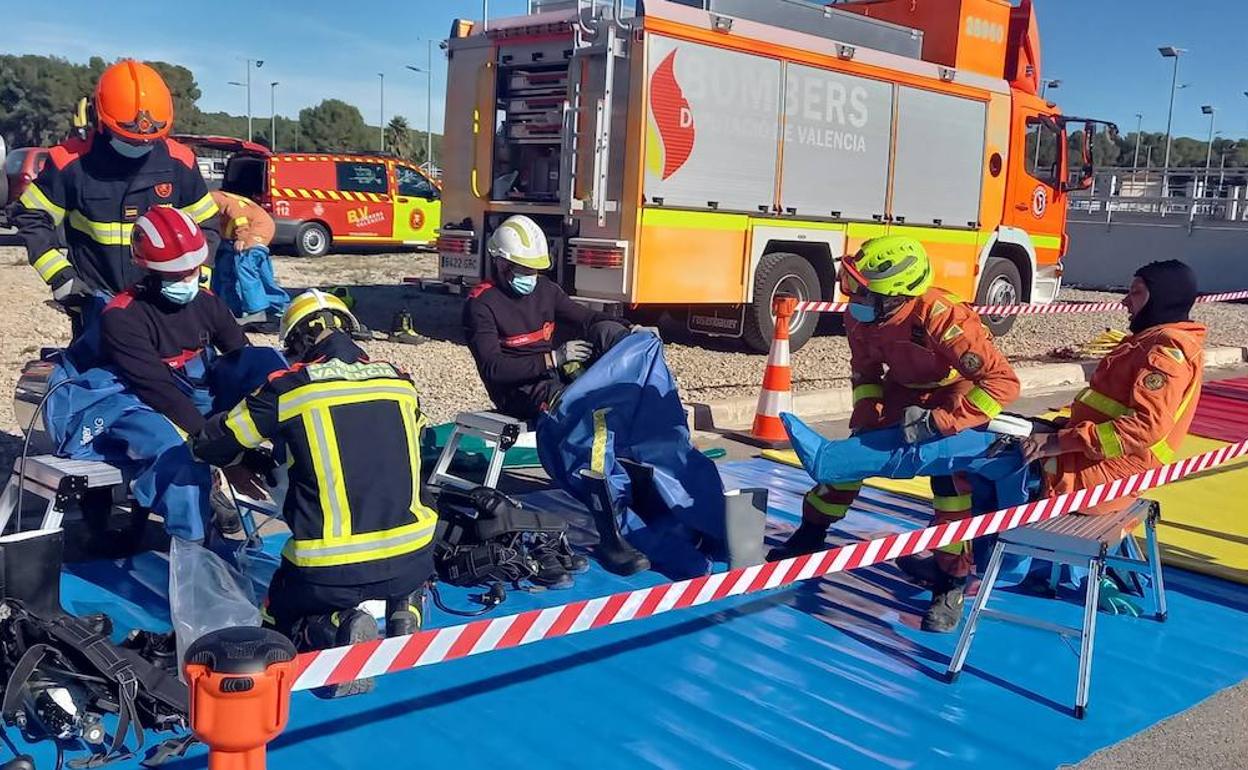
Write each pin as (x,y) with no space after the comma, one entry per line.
(1056,307)
(385,656)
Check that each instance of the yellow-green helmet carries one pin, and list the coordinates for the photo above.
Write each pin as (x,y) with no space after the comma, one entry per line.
(891,266)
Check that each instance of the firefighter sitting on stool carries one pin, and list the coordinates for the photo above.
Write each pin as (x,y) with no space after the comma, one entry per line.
(511,325)
(1140,401)
(922,359)
(350,429)
(168,354)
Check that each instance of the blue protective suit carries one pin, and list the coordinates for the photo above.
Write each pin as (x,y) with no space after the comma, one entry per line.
(626,406)
(245,280)
(93,415)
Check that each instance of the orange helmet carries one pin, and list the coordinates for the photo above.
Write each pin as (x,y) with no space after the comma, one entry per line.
(133,102)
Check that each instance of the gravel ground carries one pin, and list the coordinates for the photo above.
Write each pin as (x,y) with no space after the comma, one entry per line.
(707,369)
(1210,736)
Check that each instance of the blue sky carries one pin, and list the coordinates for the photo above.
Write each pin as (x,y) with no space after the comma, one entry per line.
(1104,51)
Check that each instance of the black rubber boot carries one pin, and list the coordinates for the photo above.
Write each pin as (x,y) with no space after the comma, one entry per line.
(401,329)
(405,615)
(945,611)
(922,569)
(337,629)
(549,571)
(613,551)
(572,562)
(809,537)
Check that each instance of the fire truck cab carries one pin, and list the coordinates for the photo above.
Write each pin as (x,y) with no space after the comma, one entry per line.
(710,154)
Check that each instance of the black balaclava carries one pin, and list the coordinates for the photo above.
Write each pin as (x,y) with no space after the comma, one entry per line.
(1171,294)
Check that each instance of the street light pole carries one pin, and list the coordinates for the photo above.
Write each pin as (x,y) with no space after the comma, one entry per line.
(1209,110)
(382,77)
(1169,52)
(273,116)
(1135,161)
(259,63)
(428,72)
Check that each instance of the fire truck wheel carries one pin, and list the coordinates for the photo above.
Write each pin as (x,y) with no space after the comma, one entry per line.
(312,240)
(781,273)
(1001,284)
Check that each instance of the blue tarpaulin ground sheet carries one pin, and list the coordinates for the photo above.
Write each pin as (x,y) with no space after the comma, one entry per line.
(830,673)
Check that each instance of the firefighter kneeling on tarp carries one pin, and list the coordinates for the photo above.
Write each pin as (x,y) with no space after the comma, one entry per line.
(166,354)
(920,358)
(350,432)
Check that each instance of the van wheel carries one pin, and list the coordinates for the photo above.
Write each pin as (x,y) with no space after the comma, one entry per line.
(781,273)
(312,240)
(1001,284)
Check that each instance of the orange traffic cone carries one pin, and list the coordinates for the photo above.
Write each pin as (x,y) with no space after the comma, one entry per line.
(777,392)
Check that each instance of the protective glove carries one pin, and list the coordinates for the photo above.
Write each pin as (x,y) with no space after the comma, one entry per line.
(72,291)
(640,329)
(1114,601)
(917,425)
(572,351)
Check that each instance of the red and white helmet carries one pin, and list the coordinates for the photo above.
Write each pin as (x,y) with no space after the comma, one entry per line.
(165,240)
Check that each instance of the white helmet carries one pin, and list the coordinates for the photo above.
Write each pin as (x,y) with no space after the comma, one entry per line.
(518,239)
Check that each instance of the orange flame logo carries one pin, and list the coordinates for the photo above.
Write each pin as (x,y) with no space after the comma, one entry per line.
(671,135)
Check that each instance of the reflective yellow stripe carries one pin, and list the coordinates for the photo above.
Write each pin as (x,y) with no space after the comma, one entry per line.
(954,548)
(1046,241)
(985,403)
(1111,447)
(832,510)
(326,394)
(240,221)
(243,427)
(1103,404)
(598,454)
(693,220)
(52,262)
(862,392)
(318,426)
(953,376)
(952,504)
(1162,449)
(107,233)
(360,549)
(34,199)
(202,210)
(205,275)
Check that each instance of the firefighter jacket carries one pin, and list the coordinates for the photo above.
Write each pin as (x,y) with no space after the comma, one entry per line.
(933,352)
(97,195)
(1136,409)
(152,343)
(510,335)
(243,221)
(350,428)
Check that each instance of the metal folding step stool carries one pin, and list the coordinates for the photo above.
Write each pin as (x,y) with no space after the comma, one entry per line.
(1095,542)
(499,432)
(61,483)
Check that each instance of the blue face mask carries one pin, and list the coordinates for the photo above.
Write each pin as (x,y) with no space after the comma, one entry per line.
(179,292)
(125,149)
(862,313)
(523,284)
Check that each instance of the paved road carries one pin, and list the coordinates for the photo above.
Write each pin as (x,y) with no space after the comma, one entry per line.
(1212,735)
